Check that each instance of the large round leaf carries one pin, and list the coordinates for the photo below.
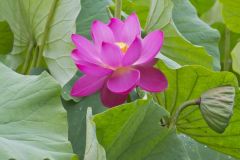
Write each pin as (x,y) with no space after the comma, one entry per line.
(42,28)
(175,46)
(189,83)
(133,131)
(33,121)
(198,151)
(195,30)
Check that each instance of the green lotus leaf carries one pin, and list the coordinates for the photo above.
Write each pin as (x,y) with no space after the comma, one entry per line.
(32,119)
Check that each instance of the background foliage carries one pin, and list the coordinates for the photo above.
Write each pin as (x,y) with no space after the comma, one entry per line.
(200,52)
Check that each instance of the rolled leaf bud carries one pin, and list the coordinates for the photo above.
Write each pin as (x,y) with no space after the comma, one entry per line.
(216,107)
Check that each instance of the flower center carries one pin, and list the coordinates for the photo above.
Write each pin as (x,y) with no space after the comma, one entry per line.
(123,46)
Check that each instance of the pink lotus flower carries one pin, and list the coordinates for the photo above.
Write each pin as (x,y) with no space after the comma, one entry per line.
(117,61)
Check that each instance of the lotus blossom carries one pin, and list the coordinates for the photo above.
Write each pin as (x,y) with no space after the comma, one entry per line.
(117,61)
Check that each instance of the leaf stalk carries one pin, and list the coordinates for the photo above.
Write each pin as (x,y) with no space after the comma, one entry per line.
(28,58)
(226,64)
(181,108)
(118,8)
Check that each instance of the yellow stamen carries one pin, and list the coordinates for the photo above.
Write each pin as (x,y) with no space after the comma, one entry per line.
(123,46)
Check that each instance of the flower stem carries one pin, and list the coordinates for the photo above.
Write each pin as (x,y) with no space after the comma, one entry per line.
(118,8)
(129,99)
(34,59)
(28,58)
(226,64)
(181,108)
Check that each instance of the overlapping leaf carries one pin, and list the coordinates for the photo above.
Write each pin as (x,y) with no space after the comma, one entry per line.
(202,5)
(197,151)
(133,131)
(175,46)
(231,14)
(141,7)
(213,15)
(183,52)
(228,40)
(33,121)
(160,14)
(76,112)
(236,58)
(42,28)
(91,10)
(195,30)
(93,151)
(189,83)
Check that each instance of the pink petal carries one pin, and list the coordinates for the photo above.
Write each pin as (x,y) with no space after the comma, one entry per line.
(133,52)
(131,29)
(116,26)
(150,63)
(87,67)
(77,56)
(80,58)
(87,85)
(110,99)
(152,44)
(123,80)
(111,55)
(101,33)
(151,79)
(93,69)
(86,49)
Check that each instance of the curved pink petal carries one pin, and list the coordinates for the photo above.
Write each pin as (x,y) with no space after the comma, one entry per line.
(86,49)
(110,99)
(150,63)
(87,85)
(123,80)
(77,56)
(133,52)
(111,55)
(116,26)
(131,29)
(101,33)
(151,79)
(80,58)
(151,44)
(93,69)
